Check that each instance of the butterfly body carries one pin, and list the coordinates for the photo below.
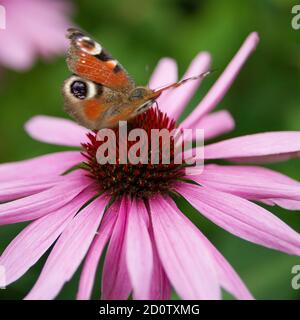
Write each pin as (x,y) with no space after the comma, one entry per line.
(100,93)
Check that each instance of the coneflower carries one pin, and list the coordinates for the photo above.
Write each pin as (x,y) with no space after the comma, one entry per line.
(152,247)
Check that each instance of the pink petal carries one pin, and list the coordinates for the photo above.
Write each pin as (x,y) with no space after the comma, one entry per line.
(47,166)
(227,276)
(19,54)
(27,248)
(253,183)
(242,218)
(214,124)
(40,204)
(178,98)
(56,131)
(160,284)
(139,254)
(220,88)
(257,147)
(89,270)
(164,73)
(185,257)
(115,279)
(24,187)
(50,21)
(69,251)
(284,203)
(41,30)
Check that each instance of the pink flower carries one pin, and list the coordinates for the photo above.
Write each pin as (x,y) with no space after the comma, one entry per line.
(33,28)
(152,246)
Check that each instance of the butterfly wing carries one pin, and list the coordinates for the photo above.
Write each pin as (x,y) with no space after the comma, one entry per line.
(87,59)
(99,85)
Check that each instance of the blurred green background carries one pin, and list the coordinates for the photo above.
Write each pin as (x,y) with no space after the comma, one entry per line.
(264,97)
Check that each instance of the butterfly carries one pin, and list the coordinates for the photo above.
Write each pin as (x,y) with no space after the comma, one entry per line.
(100,92)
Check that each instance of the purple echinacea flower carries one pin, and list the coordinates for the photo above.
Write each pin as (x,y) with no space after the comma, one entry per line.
(152,246)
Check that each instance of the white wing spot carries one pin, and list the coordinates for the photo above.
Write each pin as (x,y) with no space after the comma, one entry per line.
(112,63)
(89,46)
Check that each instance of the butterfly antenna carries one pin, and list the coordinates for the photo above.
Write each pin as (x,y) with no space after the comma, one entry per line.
(179,83)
